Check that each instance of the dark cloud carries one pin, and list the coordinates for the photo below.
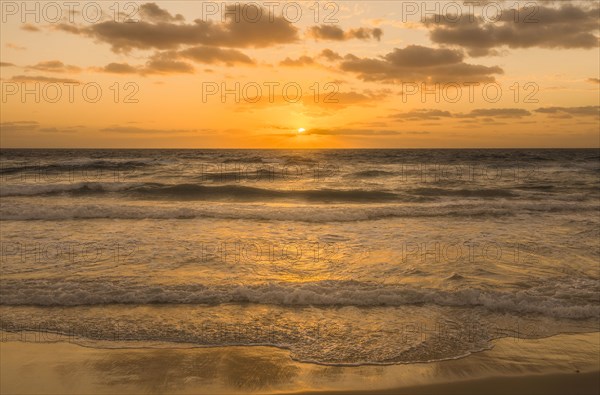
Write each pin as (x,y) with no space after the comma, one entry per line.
(28,27)
(19,126)
(568,26)
(496,112)
(301,61)
(40,78)
(483,114)
(336,33)
(210,55)
(569,112)
(418,63)
(159,63)
(6,64)
(57,130)
(169,62)
(594,80)
(237,31)
(63,27)
(423,114)
(153,13)
(120,68)
(137,130)
(330,55)
(55,66)
(351,132)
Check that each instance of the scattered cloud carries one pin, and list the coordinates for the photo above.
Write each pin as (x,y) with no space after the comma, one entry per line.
(40,78)
(210,55)
(570,112)
(482,114)
(138,130)
(237,31)
(120,68)
(330,55)
(419,63)
(568,26)
(28,27)
(301,61)
(336,33)
(496,112)
(423,114)
(170,62)
(153,13)
(351,132)
(15,47)
(19,126)
(54,66)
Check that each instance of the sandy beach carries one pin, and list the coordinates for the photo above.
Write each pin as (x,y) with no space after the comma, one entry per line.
(555,365)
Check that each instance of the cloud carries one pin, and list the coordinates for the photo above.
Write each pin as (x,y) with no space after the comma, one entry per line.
(210,55)
(6,64)
(496,112)
(416,62)
(301,61)
(330,55)
(169,62)
(54,66)
(336,33)
(153,13)
(159,63)
(343,99)
(565,27)
(15,47)
(137,130)
(237,31)
(423,114)
(594,80)
(325,103)
(484,114)
(30,28)
(69,129)
(19,126)
(351,132)
(120,68)
(166,63)
(40,78)
(569,112)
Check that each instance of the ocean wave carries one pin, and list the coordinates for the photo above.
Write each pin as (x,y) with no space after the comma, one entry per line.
(199,192)
(237,192)
(541,301)
(480,193)
(76,188)
(371,174)
(22,211)
(240,192)
(51,168)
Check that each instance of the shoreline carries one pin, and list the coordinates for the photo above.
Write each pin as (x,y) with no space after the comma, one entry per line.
(555,364)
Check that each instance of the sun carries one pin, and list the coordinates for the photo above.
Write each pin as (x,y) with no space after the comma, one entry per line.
(301,130)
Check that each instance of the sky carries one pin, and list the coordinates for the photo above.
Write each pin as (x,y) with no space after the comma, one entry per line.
(300,74)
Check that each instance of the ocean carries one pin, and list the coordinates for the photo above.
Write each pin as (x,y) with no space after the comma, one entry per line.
(342,257)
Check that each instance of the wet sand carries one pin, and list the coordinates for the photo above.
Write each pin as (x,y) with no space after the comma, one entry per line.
(560,364)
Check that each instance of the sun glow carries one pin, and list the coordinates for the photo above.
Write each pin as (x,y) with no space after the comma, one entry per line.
(301,130)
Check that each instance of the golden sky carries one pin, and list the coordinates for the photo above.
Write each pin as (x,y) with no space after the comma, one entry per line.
(389,74)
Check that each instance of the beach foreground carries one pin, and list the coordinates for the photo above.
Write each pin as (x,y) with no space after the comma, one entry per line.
(560,364)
